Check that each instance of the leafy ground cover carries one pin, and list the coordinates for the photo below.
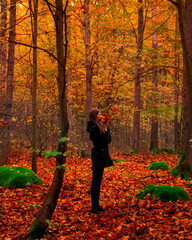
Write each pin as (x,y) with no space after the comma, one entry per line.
(126,218)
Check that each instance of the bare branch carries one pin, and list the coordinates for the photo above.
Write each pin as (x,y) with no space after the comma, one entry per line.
(175,3)
(44,50)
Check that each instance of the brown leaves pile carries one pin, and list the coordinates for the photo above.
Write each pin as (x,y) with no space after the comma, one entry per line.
(126,216)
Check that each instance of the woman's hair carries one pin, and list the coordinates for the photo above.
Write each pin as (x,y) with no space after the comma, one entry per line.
(93,118)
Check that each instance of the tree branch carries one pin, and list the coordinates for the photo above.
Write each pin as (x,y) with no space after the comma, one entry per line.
(44,50)
(175,3)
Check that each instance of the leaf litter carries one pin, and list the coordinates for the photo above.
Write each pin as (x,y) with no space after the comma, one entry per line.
(126,217)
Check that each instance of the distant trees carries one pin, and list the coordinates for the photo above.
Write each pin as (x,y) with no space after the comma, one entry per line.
(106,69)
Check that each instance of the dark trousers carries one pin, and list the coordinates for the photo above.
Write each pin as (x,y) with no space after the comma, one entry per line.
(95,187)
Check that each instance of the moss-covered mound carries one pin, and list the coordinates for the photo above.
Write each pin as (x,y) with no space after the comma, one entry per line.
(158,165)
(164,193)
(17,177)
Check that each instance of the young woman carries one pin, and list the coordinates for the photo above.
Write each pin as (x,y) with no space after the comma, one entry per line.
(101,137)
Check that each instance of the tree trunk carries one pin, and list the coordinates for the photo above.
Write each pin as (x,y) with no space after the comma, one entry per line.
(137,104)
(88,65)
(40,225)
(185,27)
(9,92)
(176,91)
(3,54)
(34,84)
(154,123)
(69,87)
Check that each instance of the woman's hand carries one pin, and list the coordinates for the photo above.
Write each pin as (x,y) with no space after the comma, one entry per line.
(105,126)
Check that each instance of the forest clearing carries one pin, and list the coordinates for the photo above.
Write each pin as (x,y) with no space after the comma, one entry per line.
(126,217)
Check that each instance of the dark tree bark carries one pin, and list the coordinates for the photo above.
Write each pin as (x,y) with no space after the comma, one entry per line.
(176,91)
(40,225)
(137,104)
(154,122)
(34,13)
(88,63)
(69,86)
(3,54)
(185,27)
(10,81)
(88,66)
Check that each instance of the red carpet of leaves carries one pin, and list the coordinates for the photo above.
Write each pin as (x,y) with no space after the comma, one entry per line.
(126,216)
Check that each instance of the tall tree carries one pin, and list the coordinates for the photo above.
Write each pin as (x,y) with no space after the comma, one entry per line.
(34,12)
(88,66)
(40,225)
(137,103)
(3,53)
(69,85)
(9,90)
(185,27)
(154,120)
(176,89)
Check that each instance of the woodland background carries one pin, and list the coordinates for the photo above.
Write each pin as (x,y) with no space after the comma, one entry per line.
(113,58)
(60,59)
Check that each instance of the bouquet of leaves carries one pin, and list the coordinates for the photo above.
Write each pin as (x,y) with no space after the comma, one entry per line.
(105,118)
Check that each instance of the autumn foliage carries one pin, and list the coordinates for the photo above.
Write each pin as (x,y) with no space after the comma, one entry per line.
(127,217)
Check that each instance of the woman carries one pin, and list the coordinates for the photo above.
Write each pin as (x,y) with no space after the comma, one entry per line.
(101,137)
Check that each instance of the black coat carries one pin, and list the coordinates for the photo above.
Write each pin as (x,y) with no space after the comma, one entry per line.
(99,154)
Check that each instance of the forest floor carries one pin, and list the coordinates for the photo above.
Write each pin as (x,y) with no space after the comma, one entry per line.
(126,217)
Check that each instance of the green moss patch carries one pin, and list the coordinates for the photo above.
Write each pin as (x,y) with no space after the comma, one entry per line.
(158,165)
(164,193)
(18,177)
(175,172)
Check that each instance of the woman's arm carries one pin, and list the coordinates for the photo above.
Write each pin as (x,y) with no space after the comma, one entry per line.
(107,136)
(95,134)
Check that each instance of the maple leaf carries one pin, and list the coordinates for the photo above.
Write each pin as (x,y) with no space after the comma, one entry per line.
(83,7)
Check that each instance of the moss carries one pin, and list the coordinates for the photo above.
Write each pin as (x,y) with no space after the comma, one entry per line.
(36,231)
(117,160)
(164,193)
(162,150)
(158,165)
(181,170)
(18,177)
